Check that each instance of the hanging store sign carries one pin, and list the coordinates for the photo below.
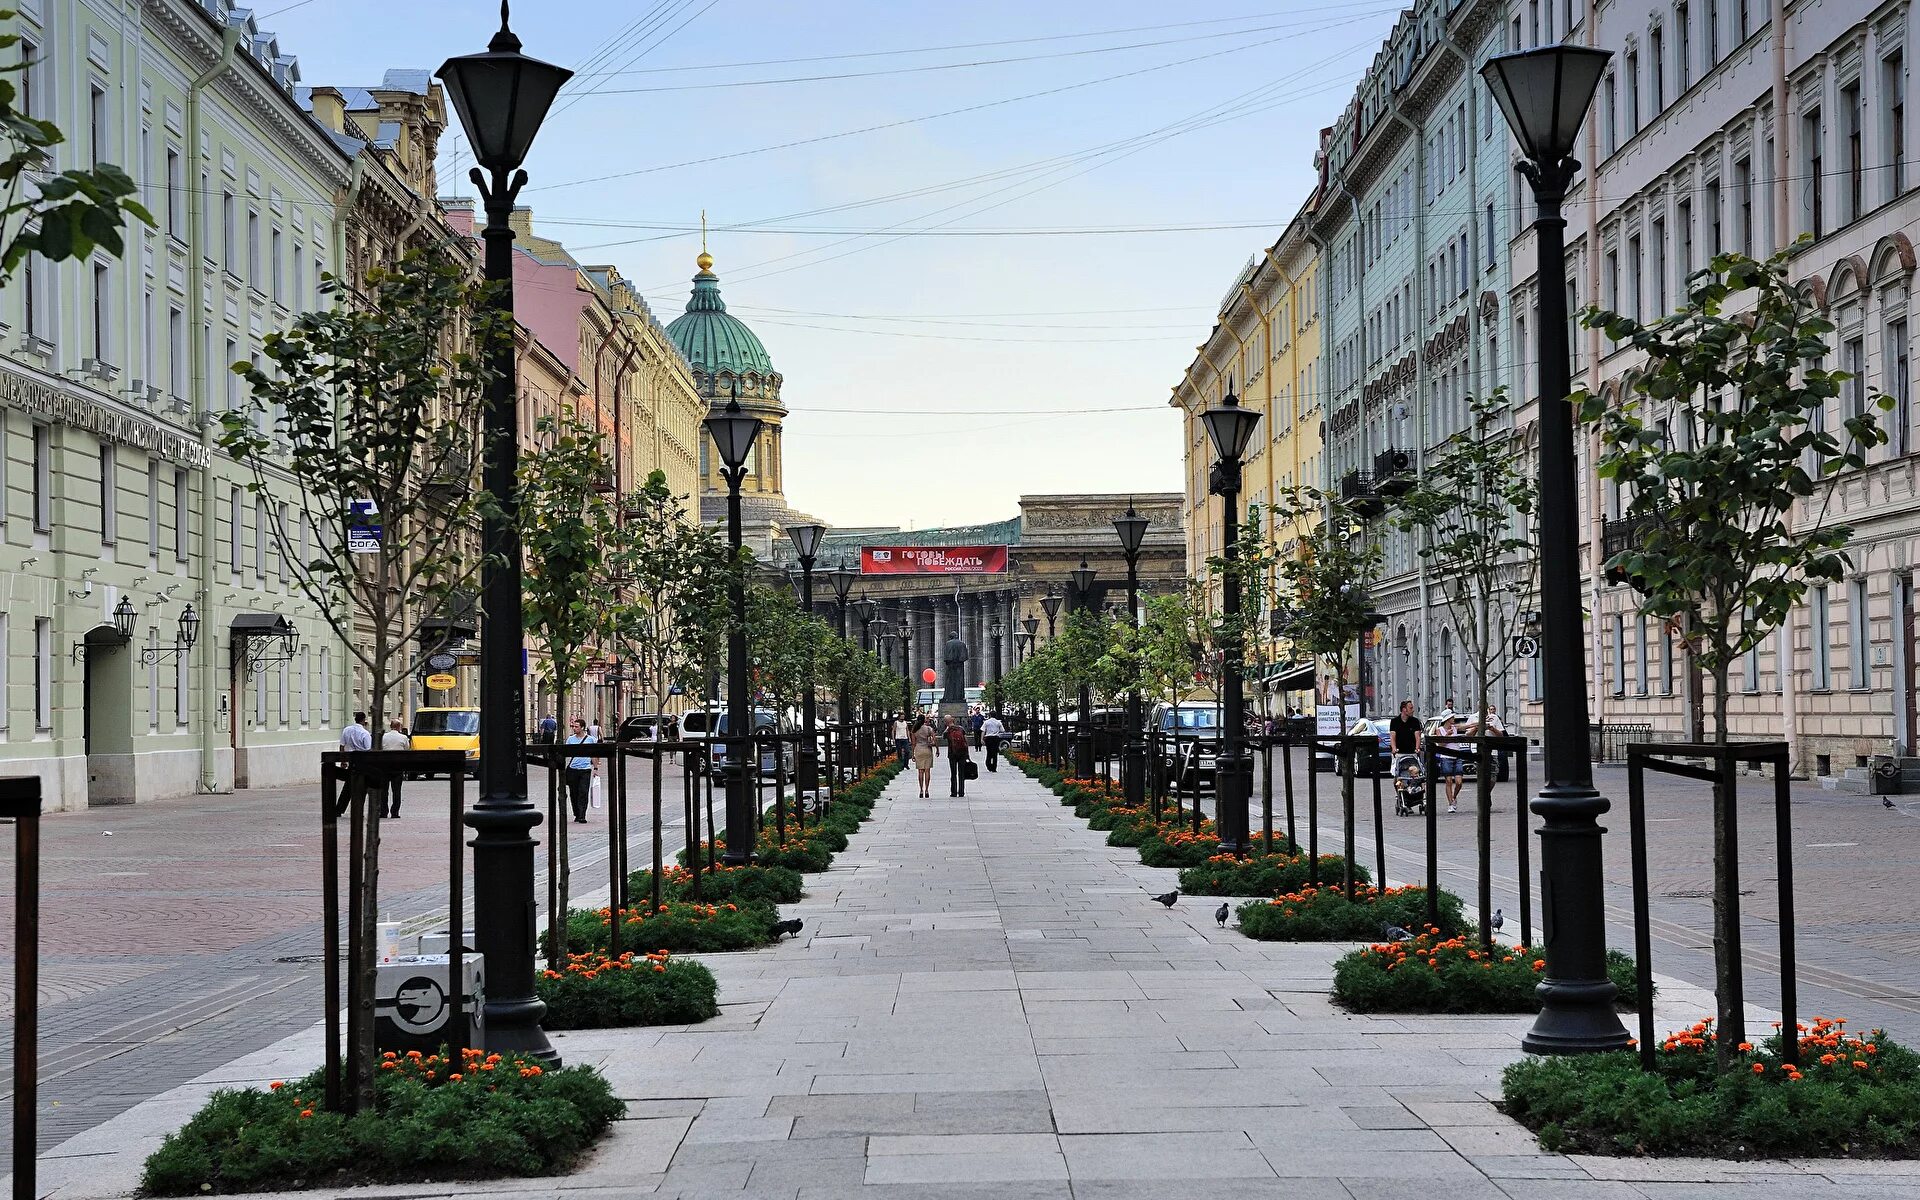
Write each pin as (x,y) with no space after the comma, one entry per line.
(38,399)
(442,683)
(933,560)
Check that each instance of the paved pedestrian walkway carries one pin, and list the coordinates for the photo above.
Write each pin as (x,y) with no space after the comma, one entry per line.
(986,1004)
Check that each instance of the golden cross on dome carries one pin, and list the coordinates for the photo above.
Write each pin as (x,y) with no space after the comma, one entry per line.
(705,260)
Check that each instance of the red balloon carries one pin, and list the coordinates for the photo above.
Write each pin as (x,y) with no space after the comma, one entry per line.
(928,676)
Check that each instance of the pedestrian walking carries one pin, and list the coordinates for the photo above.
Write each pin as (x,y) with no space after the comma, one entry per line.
(1448,764)
(991,731)
(923,739)
(395,738)
(580,770)
(593,730)
(958,756)
(549,730)
(901,735)
(976,720)
(357,736)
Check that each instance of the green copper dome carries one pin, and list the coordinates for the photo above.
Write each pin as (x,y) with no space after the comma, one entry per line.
(711,340)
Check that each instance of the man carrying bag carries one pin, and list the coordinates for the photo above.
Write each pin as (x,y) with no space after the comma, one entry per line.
(959,760)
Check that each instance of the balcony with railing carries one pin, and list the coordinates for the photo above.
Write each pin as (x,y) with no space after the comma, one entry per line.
(1393,473)
(1617,537)
(1358,492)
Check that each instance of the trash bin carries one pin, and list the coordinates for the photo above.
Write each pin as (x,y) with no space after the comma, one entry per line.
(1883,775)
(411,1005)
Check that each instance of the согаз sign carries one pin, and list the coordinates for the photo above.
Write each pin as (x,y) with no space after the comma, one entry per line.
(933,560)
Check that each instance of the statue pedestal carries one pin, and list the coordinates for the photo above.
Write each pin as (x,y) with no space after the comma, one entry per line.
(956,710)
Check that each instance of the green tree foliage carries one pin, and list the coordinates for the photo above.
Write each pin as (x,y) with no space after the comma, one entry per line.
(1327,581)
(667,614)
(57,216)
(1722,452)
(378,403)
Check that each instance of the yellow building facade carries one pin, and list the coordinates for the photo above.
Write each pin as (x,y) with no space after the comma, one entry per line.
(1265,347)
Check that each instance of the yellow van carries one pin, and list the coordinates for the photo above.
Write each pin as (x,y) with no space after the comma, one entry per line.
(449,729)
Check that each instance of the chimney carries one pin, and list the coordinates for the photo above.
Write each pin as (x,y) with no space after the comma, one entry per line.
(330,108)
(521,221)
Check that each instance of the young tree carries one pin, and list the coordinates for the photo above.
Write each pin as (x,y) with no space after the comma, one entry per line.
(1472,515)
(671,576)
(1331,610)
(1723,453)
(372,415)
(565,525)
(58,217)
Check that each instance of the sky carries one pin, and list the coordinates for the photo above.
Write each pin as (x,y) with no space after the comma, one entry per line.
(980,239)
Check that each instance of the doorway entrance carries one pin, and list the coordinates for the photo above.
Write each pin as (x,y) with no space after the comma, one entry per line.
(1909,714)
(107,716)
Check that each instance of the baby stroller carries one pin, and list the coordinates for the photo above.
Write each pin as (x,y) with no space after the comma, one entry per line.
(1409,786)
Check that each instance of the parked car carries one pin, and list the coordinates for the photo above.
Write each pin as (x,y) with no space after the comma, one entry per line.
(1188,745)
(642,727)
(1380,762)
(772,755)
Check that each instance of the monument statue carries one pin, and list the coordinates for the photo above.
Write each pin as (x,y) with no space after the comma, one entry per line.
(955,656)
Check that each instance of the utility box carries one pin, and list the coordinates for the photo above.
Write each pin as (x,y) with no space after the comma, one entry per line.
(412,1004)
(1883,775)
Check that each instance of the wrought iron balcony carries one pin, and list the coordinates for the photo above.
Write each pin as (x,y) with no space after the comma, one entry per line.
(1617,537)
(1357,489)
(1393,472)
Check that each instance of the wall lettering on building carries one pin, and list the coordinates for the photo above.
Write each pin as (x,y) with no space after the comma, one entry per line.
(38,399)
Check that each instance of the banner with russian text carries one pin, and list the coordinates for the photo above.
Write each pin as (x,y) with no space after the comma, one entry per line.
(933,560)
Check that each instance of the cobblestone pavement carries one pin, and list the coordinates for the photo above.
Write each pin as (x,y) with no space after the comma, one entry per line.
(1856,871)
(178,934)
(985,1004)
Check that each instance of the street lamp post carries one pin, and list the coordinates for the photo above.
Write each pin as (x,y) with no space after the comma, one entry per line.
(843,578)
(734,434)
(502,96)
(868,612)
(1050,604)
(1230,428)
(1544,94)
(995,633)
(1132,532)
(1083,577)
(905,634)
(806,763)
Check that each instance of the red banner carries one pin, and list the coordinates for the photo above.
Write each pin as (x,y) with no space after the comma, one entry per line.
(933,560)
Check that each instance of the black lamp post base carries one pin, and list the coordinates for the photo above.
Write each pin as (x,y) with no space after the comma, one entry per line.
(1576,1017)
(1577,998)
(1083,755)
(1232,785)
(806,769)
(504,914)
(1133,771)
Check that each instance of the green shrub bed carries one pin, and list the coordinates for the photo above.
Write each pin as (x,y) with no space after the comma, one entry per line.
(592,991)
(1434,974)
(1848,1096)
(753,884)
(680,925)
(499,1117)
(1324,914)
(1261,874)
(1178,845)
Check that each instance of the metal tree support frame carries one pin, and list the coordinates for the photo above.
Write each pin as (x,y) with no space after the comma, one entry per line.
(1345,748)
(20,805)
(345,777)
(1484,747)
(1723,773)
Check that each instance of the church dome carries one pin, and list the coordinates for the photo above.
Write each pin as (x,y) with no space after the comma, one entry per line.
(713,341)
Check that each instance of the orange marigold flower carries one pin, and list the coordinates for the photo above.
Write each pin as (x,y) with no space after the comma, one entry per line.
(1759,1068)
(1746,1045)
(277,1084)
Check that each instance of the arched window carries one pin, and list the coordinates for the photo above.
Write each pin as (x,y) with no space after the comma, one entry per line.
(1446,665)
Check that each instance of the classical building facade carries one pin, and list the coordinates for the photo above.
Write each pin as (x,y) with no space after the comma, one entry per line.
(1266,347)
(1733,127)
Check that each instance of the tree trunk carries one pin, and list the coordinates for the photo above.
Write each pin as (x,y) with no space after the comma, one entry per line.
(372,809)
(1485,768)
(1352,760)
(1731,1026)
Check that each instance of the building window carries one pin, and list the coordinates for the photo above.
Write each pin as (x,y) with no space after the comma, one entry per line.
(180,533)
(176,195)
(1640,656)
(260,537)
(1656,53)
(1619,672)
(1683,219)
(1893,73)
(1657,268)
(43,478)
(97,123)
(153,507)
(1743,200)
(1811,133)
(1610,107)
(109,497)
(1854,163)
(1858,676)
(1633,94)
(233,381)
(1666,658)
(1750,666)
(1898,386)
(1822,636)
(102,310)
(229,232)
(255,276)
(176,353)
(43,674)
(181,689)
(1633,278)
(1682,47)
(1712,25)
(276,270)
(236,528)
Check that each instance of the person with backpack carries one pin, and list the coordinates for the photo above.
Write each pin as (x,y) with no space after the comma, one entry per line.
(958,758)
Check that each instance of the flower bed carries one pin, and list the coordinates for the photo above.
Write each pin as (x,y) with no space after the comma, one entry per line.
(754,884)
(497,1117)
(1260,874)
(593,991)
(1849,1095)
(1431,973)
(1324,914)
(1178,845)
(680,925)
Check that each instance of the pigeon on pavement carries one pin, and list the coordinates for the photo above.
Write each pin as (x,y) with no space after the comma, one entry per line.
(1889,804)
(1166,899)
(1220,915)
(1394,933)
(783,928)
(1499,919)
